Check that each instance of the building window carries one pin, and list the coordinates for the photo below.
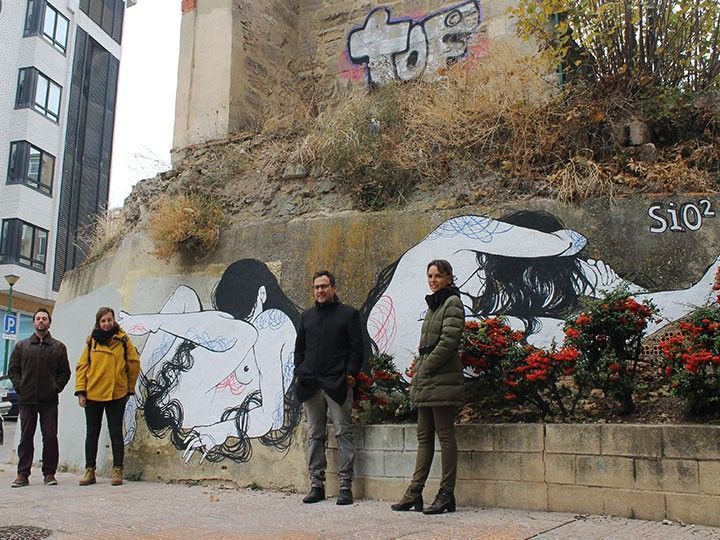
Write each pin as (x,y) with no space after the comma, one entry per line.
(39,92)
(107,14)
(42,19)
(31,166)
(23,243)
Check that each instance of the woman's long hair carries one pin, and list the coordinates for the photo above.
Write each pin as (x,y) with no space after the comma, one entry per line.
(236,294)
(528,288)
(524,288)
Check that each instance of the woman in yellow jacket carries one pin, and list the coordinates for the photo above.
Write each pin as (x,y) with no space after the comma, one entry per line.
(105,376)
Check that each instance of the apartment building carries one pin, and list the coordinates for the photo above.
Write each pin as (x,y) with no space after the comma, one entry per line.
(58,84)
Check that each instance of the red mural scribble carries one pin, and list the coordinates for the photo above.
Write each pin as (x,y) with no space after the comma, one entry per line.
(382,323)
(231,383)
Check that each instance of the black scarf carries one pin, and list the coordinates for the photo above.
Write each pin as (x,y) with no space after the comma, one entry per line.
(103,337)
(437,299)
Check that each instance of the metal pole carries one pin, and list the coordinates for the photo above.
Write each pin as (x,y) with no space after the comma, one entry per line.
(7,341)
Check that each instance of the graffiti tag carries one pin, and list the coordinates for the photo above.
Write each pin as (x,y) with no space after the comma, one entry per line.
(405,49)
(680,218)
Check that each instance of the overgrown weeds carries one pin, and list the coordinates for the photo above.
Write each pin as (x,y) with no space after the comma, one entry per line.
(187,224)
(101,235)
(503,113)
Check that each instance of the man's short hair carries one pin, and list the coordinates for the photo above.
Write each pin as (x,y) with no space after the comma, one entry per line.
(322,273)
(43,310)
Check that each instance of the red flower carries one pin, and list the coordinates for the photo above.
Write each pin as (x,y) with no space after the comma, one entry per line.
(583,319)
(572,333)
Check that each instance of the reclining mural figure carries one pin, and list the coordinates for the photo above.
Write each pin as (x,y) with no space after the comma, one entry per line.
(217,378)
(525,266)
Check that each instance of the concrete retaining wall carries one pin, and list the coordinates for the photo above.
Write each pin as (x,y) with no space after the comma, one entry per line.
(643,472)
(379,259)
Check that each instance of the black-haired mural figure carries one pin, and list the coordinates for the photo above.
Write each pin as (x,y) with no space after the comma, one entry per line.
(525,266)
(215,379)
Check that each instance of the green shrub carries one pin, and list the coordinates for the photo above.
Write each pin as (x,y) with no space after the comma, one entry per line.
(382,393)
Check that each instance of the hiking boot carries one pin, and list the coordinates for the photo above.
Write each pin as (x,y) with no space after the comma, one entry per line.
(49,480)
(316,494)
(20,481)
(345,496)
(117,476)
(89,477)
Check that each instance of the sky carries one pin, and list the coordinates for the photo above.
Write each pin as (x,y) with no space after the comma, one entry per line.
(145,110)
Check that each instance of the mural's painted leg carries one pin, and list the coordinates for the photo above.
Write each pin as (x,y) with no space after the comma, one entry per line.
(158,346)
(673,305)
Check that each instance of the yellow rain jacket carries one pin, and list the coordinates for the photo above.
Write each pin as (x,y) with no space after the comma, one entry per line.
(108,372)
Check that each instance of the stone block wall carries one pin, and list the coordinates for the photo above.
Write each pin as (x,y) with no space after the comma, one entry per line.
(241,59)
(635,471)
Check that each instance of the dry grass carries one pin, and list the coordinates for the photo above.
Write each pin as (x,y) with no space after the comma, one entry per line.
(100,236)
(188,224)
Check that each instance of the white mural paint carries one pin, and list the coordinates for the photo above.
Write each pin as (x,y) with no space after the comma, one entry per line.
(525,266)
(213,380)
(405,49)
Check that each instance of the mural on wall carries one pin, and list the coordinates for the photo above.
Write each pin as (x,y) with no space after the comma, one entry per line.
(525,266)
(213,379)
(405,48)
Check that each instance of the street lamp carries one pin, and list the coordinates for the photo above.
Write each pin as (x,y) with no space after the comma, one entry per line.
(12,279)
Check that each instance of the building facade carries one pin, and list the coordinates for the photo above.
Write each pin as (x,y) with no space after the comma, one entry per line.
(58,84)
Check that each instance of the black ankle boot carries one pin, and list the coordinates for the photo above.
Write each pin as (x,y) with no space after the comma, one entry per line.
(411,499)
(445,500)
(316,494)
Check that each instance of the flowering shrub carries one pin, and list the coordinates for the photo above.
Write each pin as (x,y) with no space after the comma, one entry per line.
(507,370)
(543,378)
(490,350)
(382,394)
(608,335)
(693,360)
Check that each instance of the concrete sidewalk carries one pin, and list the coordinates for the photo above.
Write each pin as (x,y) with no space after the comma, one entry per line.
(150,510)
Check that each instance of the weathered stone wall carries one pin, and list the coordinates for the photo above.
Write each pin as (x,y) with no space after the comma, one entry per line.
(640,472)
(232,367)
(241,58)
(234,56)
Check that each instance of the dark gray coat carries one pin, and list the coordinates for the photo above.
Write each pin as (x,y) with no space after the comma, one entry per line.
(438,379)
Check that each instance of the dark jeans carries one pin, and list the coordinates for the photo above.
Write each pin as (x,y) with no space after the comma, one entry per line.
(432,420)
(114,411)
(28,416)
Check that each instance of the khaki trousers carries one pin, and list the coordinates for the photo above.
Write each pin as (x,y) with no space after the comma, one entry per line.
(432,420)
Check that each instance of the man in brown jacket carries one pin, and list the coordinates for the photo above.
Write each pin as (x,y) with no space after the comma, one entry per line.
(39,370)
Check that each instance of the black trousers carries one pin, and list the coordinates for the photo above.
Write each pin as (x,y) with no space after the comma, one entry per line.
(28,416)
(114,411)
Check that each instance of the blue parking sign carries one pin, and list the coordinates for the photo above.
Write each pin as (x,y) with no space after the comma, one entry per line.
(10,325)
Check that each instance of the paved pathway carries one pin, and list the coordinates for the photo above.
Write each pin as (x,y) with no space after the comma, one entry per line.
(147,510)
(152,511)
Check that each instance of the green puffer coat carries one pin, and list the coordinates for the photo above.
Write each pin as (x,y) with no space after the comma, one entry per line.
(438,379)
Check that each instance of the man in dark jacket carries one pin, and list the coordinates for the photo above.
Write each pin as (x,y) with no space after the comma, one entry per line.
(39,370)
(328,358)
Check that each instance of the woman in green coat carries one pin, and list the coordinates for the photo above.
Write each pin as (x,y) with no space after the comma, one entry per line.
(437,389)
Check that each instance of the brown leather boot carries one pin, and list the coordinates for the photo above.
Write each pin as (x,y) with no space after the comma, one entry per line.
(89,477)
(117,476)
